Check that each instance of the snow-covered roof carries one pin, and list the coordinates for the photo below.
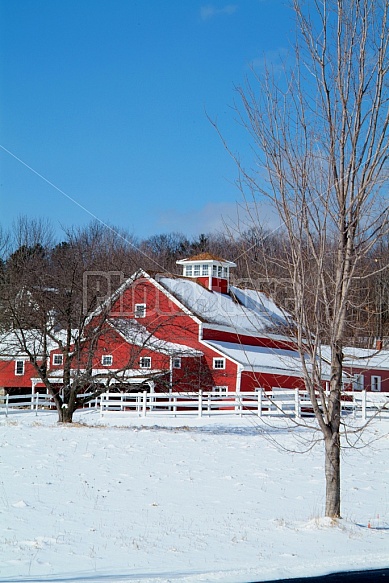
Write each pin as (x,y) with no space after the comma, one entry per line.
(139,375)
(361,357)
(135,333)
(264,359)
(11,343)
(206,258)
(243,310)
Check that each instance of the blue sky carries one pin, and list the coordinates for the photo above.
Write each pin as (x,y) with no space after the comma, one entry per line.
(105,103)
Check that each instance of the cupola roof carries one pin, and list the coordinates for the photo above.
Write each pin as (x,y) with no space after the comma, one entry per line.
(206,258)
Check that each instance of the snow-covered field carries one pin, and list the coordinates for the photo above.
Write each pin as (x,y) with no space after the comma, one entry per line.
(216,500)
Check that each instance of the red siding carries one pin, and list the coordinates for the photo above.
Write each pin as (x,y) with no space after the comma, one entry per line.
(235,337)
(164,319)
(8,378)
(219,285)
(251,380)
(368,373)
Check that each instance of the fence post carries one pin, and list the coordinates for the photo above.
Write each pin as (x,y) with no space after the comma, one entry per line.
(200,407)
(297,403)
(364,405)
(260,402)
(144,403)
(238,404)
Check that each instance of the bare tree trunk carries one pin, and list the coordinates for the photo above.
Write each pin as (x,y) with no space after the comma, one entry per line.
(332,473)
(65,414)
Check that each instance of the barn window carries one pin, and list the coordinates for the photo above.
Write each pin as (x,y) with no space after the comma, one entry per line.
(107,360)
(140,311)
(205,270)
(358,382)
(219,363)
(220,390)
(19,367)
(188,271)
(375,383)
(57,359)
(196,270)
(177,362)
(145,362)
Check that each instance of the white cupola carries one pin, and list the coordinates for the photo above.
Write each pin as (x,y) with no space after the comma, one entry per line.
(211,271)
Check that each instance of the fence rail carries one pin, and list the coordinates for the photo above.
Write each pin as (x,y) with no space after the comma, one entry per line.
(34,402)
(277,403)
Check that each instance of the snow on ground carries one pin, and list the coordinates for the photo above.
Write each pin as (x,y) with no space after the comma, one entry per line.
(216,500)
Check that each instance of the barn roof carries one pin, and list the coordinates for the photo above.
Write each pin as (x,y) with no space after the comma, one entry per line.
(204,257)
(242,310)
(361,358)
(11,343)
(135,333)
(208,258)
(264,359)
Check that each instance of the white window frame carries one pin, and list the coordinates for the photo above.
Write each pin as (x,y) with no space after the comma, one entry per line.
(205,269)
(57,359)
(145,362)
(196,270)
(358,382)
(107,360)
(221,360)
(23,367)
(214,271)
(188,271)
(375,383)
(176,362)
(219,271)
(220,390)
(140,311)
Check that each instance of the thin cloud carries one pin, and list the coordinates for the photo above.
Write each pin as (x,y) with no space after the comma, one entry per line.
(273,59)
(210,11)
(218,217)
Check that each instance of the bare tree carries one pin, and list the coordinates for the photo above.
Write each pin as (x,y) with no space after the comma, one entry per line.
(64,312)
(320,136)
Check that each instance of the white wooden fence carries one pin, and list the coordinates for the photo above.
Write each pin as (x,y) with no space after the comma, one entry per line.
(278,402)
(32,402)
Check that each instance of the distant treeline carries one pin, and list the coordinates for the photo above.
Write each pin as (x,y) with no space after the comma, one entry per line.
(33,259)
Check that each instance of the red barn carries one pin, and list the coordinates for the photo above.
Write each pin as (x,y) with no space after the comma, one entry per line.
(17,373)
(196,331)
(184,333)
(369,369)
